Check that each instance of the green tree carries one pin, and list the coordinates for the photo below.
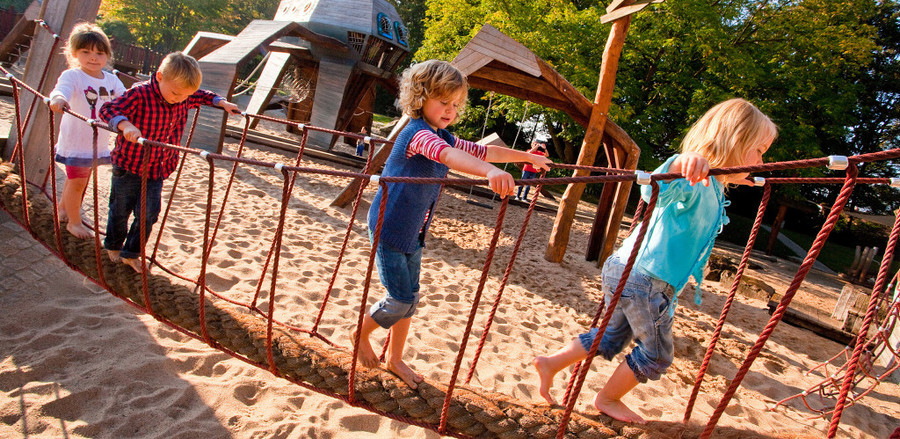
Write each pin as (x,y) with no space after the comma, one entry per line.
(824,70)
(167,25)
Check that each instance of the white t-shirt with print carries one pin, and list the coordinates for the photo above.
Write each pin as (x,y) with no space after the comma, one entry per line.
(85,95)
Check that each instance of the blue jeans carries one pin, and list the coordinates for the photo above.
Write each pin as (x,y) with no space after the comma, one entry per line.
(360,147)
(125,199)
(399,273)
(642,314)
(526,175)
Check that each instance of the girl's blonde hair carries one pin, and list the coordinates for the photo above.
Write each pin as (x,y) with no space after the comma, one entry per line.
(87,36)
(430,79)
(725,133)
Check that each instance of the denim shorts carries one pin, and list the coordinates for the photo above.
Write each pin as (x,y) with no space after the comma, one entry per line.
(642,314)
(399,273)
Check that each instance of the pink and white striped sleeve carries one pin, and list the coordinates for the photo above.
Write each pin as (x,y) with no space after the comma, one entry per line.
(472,148)
(426,143)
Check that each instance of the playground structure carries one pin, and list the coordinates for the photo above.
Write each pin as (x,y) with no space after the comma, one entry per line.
(318,366)
(342,48)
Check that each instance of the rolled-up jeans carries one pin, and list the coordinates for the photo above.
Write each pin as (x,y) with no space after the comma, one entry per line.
(642,314)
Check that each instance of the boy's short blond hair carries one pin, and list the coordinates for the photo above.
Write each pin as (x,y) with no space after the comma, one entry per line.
(87,36)
(430,79)
(181,68)
(725,133)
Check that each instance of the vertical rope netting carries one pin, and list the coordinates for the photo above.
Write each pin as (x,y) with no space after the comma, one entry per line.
(57,232)
(146,152)
(745,258)
(498,228)
(863,333)
(262,277)
(503,282)
(95,193)
(279,232)
(21,157)
(337,265)
(637,214)
(207,244)
(626,272)
(376,236)
(162,224)
(807,264)
(234,167)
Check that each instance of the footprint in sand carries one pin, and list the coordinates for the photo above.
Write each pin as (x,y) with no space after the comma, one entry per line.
(246,393)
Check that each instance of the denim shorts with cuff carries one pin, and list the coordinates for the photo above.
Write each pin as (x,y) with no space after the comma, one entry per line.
(399,273)
(642,314)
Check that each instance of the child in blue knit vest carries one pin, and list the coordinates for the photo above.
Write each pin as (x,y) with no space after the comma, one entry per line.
(431,94)
(683,227)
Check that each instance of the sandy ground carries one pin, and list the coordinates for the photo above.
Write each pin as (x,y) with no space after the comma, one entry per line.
(77,362)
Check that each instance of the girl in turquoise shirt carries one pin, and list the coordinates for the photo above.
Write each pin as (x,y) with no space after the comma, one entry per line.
(683,226)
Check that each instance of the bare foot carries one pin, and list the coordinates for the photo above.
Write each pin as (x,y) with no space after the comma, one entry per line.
(617,410)
(134,263)
(114,255)
(546,375)
(78,230)
(406,374)
(367,356)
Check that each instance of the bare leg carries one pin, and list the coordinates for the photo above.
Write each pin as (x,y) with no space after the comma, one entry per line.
(367,356)
(71,201)
(395,362)
(548,367)
(609,400)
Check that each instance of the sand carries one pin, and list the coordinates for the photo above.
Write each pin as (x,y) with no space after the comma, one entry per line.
(78,362)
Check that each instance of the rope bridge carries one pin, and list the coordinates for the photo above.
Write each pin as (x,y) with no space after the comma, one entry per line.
(302,354)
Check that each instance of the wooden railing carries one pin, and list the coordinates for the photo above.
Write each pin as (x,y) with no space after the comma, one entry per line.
(135,59)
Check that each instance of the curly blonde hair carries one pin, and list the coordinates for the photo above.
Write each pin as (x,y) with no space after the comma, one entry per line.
(87,36)
(432,79)
(725,133)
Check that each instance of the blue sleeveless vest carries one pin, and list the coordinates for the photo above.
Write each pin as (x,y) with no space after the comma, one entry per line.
(407,204)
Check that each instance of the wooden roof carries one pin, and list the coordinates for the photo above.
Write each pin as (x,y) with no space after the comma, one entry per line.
(493,61)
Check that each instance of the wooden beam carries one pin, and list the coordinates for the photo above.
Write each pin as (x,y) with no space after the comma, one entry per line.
(378,159)
(623,12)
(559,237)
(61,16)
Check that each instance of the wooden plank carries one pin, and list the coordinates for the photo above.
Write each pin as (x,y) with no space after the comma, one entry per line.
(504,54)
(205,43)
(268,80)
(582,104)
(525,94)
(623,12)
(470,61)
(330,85)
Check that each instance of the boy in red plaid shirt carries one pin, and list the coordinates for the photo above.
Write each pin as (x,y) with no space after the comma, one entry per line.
(155,110)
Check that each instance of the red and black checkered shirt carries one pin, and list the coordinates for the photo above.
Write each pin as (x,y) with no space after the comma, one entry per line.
(144,106)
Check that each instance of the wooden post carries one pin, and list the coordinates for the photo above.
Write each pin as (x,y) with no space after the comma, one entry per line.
(559,237)
(61,16)
(776,227)
(378,159)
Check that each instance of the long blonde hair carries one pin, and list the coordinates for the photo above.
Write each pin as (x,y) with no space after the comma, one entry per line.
(430,79)
(725,133)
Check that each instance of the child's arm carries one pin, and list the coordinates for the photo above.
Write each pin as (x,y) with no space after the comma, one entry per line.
(499,154)
(229,107)
(116,112)
(500,181)
(693,166)
(62,92)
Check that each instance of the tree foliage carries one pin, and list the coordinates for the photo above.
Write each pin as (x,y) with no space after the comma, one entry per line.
(168,25)
(826,71)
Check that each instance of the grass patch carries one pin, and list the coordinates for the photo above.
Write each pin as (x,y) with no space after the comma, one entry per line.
(380,118)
